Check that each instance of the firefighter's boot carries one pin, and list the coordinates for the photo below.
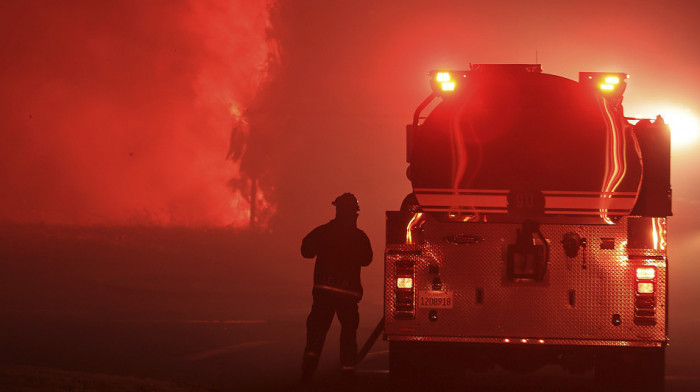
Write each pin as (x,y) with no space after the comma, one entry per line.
(347,378)
(308,367)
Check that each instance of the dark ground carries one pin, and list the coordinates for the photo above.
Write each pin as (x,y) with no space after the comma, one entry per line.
(150,309)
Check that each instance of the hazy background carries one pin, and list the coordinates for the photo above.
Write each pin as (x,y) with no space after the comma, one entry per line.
(123,113)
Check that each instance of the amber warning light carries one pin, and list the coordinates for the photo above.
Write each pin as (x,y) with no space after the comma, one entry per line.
(443,77)
(610,83)
(605,82)
(445,81)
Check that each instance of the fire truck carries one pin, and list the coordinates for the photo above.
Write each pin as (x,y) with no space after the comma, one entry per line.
(535,233)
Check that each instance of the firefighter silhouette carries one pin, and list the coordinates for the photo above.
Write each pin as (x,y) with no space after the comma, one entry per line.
(341,249)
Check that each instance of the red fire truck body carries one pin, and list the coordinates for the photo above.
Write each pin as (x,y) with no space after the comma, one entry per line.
(535,232)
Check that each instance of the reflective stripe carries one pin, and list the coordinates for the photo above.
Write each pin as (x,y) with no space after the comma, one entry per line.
(588,203)
(325,287)
(561,211)
(465,209)
(462,200)
(457,191)
(556,202)
(348,367)
(588,193)
(468,191)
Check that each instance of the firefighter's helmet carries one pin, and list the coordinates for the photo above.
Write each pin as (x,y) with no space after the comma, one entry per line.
(347,200)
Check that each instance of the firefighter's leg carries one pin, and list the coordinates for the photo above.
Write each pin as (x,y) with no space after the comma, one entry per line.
(349,320)
(317,324)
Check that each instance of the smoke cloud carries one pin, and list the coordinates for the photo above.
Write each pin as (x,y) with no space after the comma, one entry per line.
(121,112)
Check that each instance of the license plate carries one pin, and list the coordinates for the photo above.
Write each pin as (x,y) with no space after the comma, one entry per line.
(435,299)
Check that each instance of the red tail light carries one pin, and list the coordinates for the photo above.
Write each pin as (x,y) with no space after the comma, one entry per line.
(404,283)
(645,298)
(405,289)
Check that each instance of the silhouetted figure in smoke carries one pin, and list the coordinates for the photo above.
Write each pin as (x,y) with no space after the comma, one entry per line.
(340,249)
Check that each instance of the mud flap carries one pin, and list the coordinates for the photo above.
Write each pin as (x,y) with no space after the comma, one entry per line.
(638,369)
(422,366)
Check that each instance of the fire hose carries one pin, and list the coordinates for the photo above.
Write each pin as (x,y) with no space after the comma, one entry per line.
(371,340)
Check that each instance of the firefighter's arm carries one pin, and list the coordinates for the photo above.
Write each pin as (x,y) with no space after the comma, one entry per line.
(365,251)
(309,245)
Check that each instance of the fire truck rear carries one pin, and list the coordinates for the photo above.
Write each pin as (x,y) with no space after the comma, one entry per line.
(535,233)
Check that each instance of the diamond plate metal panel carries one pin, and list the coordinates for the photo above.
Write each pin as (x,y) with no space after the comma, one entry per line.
(489,307)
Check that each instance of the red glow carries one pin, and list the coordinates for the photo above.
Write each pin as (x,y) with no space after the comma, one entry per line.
(122,113)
